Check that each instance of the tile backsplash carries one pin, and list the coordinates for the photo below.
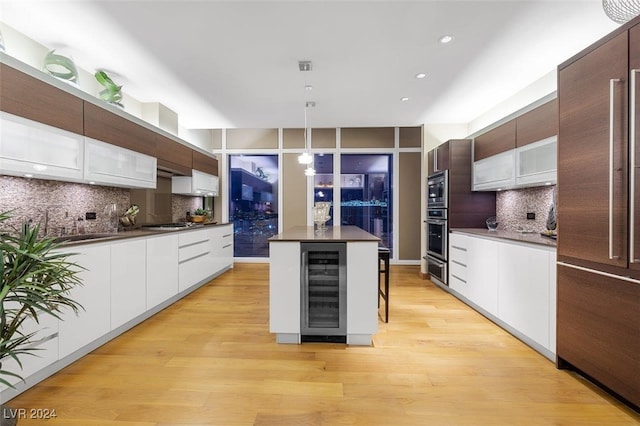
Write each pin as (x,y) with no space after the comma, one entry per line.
(29,199)
(512,208)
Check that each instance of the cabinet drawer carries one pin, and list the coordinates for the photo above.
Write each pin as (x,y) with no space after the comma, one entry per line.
(458,253)
(458,269)
(188,238)
(192,251)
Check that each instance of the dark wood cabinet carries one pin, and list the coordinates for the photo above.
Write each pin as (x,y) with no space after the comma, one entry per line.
(538,124)
(106,126)
(205,163)
(174,156)
(28,97)
(438,159)
(598,306)
(585,88)
(495,141)
(467,209)
(598,329)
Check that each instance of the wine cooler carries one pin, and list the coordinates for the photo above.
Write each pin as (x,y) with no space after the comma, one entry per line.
(323,304)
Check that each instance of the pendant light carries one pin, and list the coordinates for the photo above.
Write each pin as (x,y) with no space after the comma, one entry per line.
(621,11)
(307,157)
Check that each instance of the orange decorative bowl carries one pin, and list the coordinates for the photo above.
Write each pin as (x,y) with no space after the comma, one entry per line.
(198,218)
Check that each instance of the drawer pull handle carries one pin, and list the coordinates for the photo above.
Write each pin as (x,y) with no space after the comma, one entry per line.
(458,278)
(228,245)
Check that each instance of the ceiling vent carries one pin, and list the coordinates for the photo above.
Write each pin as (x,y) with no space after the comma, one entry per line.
(310,104)
(304,65)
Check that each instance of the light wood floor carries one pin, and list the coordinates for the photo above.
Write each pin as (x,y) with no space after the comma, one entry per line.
(210,360)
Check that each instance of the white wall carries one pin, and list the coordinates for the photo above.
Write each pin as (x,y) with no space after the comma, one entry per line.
(541,88)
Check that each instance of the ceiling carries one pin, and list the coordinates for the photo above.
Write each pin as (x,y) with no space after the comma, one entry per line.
(224,64)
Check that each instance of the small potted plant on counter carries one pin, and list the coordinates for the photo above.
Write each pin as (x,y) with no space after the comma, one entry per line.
(36,281)
(199,216)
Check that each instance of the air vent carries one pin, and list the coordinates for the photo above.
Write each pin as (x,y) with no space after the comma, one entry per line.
(310,104)
(304,65)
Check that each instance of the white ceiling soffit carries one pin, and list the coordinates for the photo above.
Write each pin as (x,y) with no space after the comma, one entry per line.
(235,64)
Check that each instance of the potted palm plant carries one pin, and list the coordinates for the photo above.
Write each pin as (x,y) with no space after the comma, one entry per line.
(36,281)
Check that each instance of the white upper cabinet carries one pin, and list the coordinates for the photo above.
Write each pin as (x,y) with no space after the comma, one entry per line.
(32,149)
(537,163)
(199,183)
(495,172)
(530,165)
(107,164)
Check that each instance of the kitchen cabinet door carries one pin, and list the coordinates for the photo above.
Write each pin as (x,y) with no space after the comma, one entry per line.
(34,99)
(107,126)
(42,151)
(523,291)
(537,163)
(46,340)
(284,288)
(634,172)
(128,281)
(108,164)
(94,295)
(495,172)
(495,141)
(599,328)
(438,159)
(162,269)
(205,163)
(538,124)
(482,278)
(592,95)
(174,156)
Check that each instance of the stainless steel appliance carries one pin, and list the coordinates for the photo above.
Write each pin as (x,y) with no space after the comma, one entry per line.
(437,226)
(323,293)
(437,244)
(437,190)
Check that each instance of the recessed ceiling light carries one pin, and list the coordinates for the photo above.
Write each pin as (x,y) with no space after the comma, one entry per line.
(421,75)
(404,99)
(446,39)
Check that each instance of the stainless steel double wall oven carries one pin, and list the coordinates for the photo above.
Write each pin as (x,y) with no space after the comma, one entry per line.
(437,225)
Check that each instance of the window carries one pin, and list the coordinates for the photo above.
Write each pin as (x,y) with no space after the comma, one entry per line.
(253,203)
(365,195)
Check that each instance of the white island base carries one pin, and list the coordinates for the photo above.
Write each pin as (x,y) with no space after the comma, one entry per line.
(361,282)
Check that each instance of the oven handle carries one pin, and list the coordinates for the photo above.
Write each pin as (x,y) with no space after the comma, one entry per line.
(436,221)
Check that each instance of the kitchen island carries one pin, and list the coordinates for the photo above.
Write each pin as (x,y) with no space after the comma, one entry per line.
(287,277)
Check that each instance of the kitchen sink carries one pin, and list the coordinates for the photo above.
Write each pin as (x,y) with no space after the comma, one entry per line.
(83,237)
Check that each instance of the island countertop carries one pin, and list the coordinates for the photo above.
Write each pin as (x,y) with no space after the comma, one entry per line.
(332,233)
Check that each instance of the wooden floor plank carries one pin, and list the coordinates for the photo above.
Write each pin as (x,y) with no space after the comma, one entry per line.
(210,360)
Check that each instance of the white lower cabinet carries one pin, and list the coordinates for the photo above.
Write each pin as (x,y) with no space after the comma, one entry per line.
(284,288)
(194,248)
(121,281)
(514,283)
(162,269)
(128,281)
(94,295)
(46,342)
(524,290)
(221,256)
(473,270)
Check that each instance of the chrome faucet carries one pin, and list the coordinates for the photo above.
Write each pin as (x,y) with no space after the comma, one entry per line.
(47,217)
